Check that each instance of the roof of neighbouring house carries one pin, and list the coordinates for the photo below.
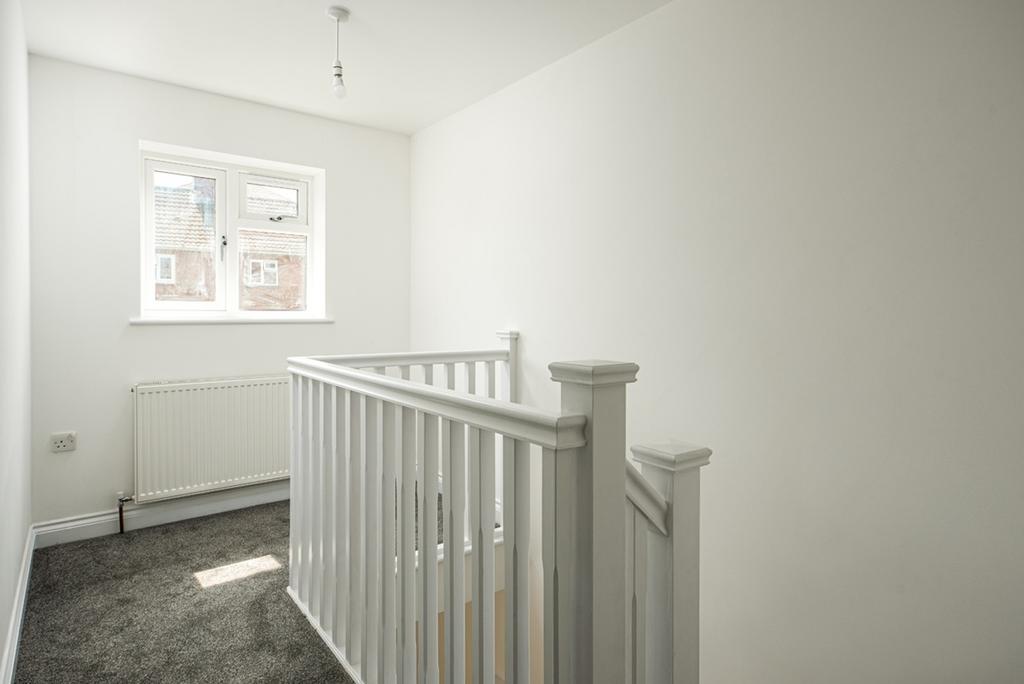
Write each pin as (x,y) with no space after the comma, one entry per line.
(184,222)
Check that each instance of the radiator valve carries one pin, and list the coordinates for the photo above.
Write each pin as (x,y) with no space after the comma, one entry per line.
(121,501)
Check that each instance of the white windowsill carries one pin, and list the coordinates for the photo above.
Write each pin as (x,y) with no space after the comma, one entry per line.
(240,320)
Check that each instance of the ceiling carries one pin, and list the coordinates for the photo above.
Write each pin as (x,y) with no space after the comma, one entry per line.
(408,63)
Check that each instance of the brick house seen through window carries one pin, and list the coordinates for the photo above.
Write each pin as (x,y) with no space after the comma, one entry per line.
(225,240)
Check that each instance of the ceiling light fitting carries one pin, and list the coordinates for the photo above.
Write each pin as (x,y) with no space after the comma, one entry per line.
(338,14)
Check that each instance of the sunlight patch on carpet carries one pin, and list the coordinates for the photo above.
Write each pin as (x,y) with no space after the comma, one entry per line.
(236,571)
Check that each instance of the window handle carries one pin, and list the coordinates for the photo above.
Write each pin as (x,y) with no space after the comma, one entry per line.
(223,245)
(277,219)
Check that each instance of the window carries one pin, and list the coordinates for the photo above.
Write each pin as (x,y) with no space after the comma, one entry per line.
(262,273)
(275,199)
(165,269)
(230,238)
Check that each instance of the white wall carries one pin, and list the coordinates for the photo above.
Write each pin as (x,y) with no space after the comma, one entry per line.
(803,221)
(14,317)
(86,126)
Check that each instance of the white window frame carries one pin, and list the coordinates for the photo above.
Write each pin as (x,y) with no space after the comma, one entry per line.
(170,280)
(231,173)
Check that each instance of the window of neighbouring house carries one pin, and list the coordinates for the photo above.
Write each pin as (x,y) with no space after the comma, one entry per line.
(165,269)
(228,238)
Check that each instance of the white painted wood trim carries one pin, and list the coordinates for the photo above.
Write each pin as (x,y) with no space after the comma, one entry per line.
(646,499)
(674,468)
(511,339)
(413,358)
(671,456)
(89,525)
(593,373)
(226,320)
(595,586)
(10,654)
(545,428)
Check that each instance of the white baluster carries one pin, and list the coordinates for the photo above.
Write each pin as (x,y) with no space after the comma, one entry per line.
(492,390)
(516,531)
(327,517)
(316,482)
(428,547)
(412,436)
(356,543)
(630,616)
(481,460)
(641,531)
(294,486)
(371,453)
(471,387)
(306,501)
(342,568)
(390,591)
(561,566)
(454,500)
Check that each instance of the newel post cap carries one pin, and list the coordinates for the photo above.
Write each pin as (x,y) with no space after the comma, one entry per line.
(593,373)
(672,456)
(508,334)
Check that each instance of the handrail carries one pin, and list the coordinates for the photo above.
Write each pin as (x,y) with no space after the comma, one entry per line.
(646,498)
(545,428)
(414,358)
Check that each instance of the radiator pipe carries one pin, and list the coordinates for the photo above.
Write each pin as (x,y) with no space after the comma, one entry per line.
(121,501)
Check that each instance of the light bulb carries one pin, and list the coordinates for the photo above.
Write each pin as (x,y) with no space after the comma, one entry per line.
(338,81)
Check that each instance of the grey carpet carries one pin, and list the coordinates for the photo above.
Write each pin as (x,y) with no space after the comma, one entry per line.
(127,608)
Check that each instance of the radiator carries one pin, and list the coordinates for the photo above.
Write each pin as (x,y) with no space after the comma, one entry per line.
(204,435)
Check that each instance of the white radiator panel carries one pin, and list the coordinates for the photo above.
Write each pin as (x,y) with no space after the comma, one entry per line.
(205,435)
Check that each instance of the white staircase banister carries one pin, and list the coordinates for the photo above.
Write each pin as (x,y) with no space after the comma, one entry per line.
(414,358)
(546,428)
(387,444)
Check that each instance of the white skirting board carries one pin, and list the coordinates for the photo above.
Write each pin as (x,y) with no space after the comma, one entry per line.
(10,652)
(158,513)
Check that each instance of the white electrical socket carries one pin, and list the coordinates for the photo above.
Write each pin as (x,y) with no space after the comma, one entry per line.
(63,441)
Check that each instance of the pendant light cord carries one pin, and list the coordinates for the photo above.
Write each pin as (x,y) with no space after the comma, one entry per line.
(337,40)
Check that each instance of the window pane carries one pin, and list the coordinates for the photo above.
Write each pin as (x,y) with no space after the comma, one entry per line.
(270,273)
(271,200)
(185,228)
(276,264)
(255,272)
(165,268)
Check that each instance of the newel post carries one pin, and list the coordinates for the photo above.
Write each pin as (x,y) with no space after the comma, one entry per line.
(511,340)
(674,469)
(587,504)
